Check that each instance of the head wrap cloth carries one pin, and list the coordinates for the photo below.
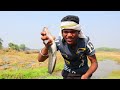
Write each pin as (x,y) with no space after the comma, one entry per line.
(71,25)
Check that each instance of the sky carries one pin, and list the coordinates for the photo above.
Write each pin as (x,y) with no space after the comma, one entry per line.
(24,27)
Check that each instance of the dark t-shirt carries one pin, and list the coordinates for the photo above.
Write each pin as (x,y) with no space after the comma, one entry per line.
(75,59)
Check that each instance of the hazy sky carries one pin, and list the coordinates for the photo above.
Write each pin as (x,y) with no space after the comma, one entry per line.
(24,27)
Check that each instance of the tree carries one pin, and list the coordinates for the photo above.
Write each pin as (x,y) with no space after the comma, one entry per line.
(1,43)
(22,47)
(10,45)
(14,46)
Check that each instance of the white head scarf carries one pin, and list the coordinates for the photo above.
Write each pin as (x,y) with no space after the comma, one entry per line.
(71,25)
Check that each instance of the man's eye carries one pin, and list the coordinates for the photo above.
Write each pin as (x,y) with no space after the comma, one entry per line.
(65,31)
(69,31)
(73,32)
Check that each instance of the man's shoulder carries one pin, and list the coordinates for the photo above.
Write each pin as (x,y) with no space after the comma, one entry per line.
(86,39)
(83,41)
(58,39)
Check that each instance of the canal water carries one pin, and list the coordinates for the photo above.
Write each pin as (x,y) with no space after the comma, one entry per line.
(105,68)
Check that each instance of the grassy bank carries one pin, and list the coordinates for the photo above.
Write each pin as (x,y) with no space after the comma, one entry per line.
(102,55)
(114,75)
(21,65)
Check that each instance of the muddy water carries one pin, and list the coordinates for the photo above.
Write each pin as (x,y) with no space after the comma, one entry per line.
(105,68)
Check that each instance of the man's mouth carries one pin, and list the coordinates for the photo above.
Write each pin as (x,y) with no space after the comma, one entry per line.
(69,39)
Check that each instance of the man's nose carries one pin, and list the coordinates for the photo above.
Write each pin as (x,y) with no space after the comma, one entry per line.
(69,34)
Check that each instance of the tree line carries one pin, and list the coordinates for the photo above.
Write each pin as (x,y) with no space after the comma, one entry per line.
(13,46)
(107,49)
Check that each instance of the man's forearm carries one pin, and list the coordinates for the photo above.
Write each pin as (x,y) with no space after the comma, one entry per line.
(43,55)
(92,69)
(93,66)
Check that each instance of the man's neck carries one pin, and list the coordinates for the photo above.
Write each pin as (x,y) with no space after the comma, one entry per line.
(73,45)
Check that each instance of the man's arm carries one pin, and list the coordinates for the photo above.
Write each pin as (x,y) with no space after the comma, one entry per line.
(43,55)
(93,66)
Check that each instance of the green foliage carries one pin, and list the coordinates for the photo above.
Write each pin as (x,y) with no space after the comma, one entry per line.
(22,47)
(1,43)
(14,46)
(17,47)
(107,49)
(10,44)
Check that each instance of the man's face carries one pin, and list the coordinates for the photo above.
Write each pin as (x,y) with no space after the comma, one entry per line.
(70,36)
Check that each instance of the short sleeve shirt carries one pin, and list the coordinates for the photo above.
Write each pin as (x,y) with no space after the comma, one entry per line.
(76,59)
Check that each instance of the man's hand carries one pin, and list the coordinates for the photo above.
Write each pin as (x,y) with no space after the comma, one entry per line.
(46,40)
(84,76)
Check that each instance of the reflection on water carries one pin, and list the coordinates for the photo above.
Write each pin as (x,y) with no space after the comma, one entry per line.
(104,68)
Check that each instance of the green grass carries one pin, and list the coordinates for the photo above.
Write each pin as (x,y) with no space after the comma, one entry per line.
(114,75)
(54,77)
(30,73)
(23,74)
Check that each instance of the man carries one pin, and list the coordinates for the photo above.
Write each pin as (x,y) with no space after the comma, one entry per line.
(76,49)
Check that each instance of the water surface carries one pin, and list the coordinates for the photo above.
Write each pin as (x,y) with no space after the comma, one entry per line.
(105,68)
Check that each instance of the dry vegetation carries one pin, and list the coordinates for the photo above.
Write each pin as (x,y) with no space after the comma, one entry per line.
(15,60)
(102,55)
